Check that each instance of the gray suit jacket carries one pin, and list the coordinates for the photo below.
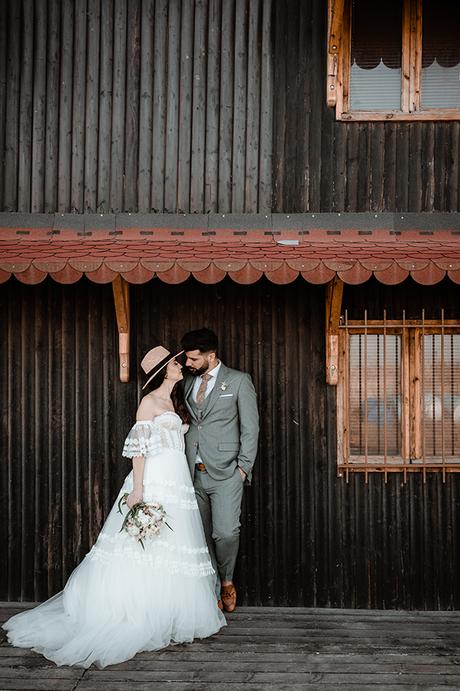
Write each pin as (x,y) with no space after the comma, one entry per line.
(226,432)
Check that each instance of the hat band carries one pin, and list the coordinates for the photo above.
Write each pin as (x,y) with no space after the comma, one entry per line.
(159,366)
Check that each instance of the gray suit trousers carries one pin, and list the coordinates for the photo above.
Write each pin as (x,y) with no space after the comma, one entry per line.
(219,502)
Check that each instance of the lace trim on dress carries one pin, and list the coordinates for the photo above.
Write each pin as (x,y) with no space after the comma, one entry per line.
(185,504)
(171,483)
(172,566)
(148,437)
(114,539)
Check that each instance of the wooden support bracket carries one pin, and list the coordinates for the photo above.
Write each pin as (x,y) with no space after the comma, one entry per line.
(334,294)
(121,299)
(334,38)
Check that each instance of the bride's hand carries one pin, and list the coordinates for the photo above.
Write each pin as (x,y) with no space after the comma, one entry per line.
(134,498)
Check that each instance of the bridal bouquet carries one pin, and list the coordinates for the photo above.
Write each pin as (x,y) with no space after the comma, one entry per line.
(143,520)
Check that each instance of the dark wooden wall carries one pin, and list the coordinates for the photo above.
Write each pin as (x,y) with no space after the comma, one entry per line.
(308,537)
(135,105)
(196,106)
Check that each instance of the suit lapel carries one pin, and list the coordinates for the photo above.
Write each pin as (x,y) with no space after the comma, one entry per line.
(188,388)
(214,395)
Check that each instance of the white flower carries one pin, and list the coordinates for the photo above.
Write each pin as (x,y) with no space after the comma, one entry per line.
(223,386)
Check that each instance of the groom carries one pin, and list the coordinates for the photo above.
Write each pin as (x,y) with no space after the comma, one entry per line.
(221,447)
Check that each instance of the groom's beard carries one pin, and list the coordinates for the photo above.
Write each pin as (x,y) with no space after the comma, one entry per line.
(196,372)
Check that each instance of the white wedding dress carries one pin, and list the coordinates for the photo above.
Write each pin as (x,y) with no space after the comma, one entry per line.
(123,599)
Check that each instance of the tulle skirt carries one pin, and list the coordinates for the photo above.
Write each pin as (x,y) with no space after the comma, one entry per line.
(122,598)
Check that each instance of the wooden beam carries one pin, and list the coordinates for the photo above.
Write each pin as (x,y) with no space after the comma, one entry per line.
(121,299)
(334,294)
(335,26)
(334,39)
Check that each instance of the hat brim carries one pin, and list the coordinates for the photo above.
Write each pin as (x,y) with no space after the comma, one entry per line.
(161,365)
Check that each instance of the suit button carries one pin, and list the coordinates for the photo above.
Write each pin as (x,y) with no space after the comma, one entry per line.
(199,426)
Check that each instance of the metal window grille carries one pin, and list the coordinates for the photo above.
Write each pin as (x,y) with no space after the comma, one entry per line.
(399,396)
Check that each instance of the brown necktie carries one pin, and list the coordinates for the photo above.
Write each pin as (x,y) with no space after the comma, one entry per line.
(200,394)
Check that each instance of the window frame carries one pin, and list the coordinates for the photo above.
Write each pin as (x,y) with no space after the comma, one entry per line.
(338,68)
(411,424)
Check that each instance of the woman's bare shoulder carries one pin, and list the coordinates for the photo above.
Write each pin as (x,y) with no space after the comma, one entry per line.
(147,408)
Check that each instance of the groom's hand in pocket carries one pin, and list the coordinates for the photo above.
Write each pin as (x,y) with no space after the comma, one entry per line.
(242,473)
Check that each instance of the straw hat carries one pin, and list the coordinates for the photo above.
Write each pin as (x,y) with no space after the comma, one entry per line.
(154,361)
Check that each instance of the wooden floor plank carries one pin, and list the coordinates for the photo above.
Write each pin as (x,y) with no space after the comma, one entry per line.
(268,648)
(37,685)
(249,686)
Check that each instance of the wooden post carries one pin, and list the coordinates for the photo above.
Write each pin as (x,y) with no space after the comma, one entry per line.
(121,299)
(334,293)
(334,38)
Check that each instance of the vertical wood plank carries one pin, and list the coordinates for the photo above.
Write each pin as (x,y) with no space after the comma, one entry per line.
(105,106)
(117,152)
(428,167)
(146,104)
(415,166)
(159,105)
(377,150)
(226,107)
(292,87)
(131,133)
(453,177)
(266,112)
(319,19)
(390,167)
(340,175)
(78,107)
(353,166)
(3,91)
(199,108)
(185,106)
(441,165)
(402,167)
(12,100)
(408,60)
(41,23)
(279,107)
(211,169)
(92,106)
(251,204)
(24,144)
(364,166)
(239,106)
(52,108)
(172,106)
(65,107)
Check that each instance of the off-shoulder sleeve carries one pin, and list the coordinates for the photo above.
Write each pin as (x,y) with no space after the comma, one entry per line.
(142,440)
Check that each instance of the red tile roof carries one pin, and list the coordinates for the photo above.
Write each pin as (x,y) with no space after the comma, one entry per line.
(315,246)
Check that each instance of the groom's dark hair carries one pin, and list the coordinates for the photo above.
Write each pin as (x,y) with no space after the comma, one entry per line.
(203,340)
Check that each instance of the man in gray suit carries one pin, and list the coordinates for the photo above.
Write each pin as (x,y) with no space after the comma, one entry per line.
(221,447)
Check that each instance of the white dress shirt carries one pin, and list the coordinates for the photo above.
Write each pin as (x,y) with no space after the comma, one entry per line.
(210,384)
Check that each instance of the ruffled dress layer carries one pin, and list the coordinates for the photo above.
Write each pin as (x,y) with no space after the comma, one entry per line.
(122,598)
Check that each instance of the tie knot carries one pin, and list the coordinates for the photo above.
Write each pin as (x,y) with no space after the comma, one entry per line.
(205,377)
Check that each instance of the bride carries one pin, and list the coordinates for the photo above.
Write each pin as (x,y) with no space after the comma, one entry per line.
(122,598)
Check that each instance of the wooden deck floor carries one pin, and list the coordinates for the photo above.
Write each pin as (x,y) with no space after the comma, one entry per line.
(273,648)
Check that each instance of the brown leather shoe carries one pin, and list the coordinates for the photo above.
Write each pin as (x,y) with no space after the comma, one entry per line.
(220,605)
(229,597)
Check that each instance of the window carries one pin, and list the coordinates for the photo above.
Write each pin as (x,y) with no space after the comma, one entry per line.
(398,396)
(394,60)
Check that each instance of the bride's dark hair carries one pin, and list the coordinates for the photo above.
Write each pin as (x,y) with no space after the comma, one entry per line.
(177,394)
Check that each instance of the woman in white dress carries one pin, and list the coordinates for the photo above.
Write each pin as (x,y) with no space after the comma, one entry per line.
(124,598)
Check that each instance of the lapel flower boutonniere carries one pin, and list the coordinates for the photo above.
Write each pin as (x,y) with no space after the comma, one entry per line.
(223,386)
